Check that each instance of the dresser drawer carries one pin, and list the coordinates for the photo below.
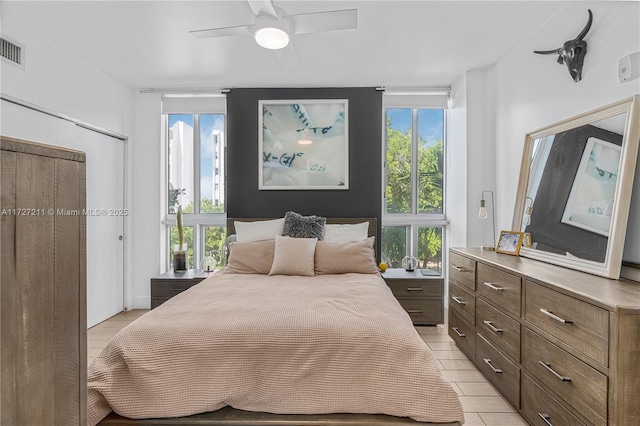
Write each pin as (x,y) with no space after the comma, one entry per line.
(462,301)
(499,329)
(462,270)
(502,372)
(580,325)
(415,288)
(504,289)
(463,333)
(584,388)
(541,409)
(423,311)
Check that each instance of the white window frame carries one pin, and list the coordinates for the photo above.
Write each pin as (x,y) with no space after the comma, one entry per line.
(197,220)
(414,220)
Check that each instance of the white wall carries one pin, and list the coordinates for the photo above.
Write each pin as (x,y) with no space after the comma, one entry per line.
(146,213)
(533,91)
(471,167)
(57,80)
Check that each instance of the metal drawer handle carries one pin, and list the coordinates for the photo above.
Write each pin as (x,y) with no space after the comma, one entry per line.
(493,287)
(554,316)
(492,327)
(414,288)
(545,418)
(414,311)
(457,332)
(548,367)
(495,370)
(458,268)
(178,289)
(458,300)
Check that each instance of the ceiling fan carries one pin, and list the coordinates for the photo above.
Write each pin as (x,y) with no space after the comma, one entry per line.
(273,28)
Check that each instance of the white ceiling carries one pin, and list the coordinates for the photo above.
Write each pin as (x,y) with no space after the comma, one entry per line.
(145,44)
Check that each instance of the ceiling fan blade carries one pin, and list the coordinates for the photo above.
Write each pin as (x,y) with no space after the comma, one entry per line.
(262,7)
(324,21)
(288,57)
(223,32)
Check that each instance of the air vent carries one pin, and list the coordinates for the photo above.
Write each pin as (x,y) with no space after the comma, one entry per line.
(12,52)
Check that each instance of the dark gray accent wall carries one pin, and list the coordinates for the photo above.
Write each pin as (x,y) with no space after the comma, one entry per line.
(364,196)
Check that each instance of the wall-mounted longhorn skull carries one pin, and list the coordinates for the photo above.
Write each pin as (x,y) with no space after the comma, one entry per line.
(572,52)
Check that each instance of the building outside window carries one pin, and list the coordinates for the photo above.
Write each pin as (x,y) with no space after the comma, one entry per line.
(413,220)
(195,181)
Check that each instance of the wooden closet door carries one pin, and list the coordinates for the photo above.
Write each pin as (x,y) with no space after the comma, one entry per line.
(8,288)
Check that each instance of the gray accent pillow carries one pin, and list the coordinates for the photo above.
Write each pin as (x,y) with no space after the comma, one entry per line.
(298,226)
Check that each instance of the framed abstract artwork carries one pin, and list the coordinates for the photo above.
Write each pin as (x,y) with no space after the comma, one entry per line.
(303,144)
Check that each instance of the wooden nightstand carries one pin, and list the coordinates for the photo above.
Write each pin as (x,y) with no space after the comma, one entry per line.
(167,285)
(421,296)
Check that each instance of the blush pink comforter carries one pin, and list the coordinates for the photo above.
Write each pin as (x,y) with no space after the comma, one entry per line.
(278,344)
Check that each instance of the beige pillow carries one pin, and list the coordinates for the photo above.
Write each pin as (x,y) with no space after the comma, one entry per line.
(345,257)
(251,257)
(294,256)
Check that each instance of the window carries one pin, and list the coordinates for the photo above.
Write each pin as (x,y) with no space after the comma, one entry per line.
(413,218)
(195,180)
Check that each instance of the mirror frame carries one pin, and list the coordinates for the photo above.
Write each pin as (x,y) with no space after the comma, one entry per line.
(622,200)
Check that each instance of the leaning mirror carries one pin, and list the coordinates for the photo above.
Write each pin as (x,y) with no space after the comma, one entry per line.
(575,189)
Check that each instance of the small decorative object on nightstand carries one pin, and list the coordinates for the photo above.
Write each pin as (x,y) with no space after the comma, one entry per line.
(409,263)
(421,296)
(208,264)
(169,284)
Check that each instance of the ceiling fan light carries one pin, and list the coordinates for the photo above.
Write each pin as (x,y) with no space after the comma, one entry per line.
(271,38)
(271,32)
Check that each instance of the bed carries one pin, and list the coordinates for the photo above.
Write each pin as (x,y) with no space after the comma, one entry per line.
(249,348)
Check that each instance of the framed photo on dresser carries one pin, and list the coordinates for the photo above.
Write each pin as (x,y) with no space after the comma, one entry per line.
(510,242)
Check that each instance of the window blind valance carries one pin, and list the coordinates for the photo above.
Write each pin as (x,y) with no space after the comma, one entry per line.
(416,97)
(391,100)
(194,104)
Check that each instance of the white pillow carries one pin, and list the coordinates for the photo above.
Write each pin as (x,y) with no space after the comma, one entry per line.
(294,256)
(258,231)
(341,233)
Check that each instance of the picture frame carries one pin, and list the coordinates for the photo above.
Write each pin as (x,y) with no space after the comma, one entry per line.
(510,242)
(591,200)
(303,144)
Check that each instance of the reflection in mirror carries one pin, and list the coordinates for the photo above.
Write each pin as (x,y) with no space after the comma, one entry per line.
(572,186)
(575,187)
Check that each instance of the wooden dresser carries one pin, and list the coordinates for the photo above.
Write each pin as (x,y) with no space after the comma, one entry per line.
(44,316)
(561,345)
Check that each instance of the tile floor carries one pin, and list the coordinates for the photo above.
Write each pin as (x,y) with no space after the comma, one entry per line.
(482,404)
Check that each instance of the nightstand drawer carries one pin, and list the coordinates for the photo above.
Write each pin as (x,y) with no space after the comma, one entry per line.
(463,333)
(462,270)
(415,288)
(541,409)
(499,329)
(580,325)
(571,379)
(503,289)
(423,311)
(502,372)
(170,288)
(462,301)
